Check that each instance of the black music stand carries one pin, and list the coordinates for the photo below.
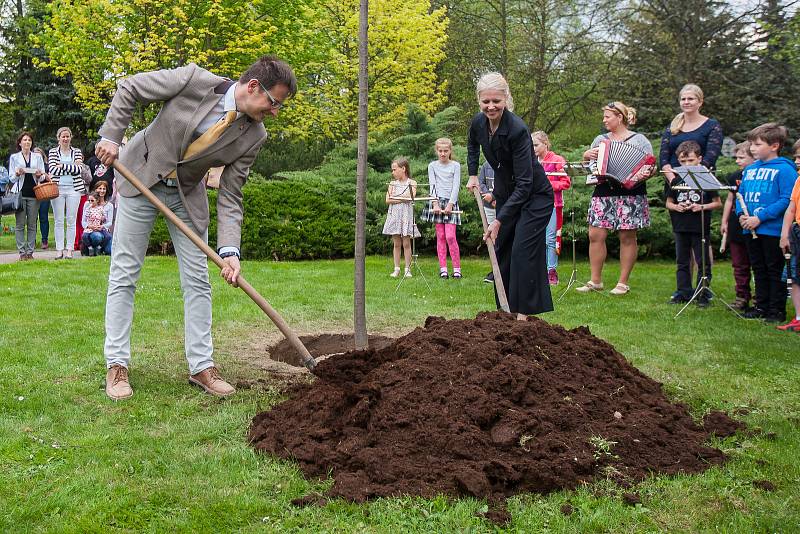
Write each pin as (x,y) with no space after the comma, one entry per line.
(573,169)
(699,178)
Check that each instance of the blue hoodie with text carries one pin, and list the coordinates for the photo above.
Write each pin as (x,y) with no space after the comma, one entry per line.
(766,188)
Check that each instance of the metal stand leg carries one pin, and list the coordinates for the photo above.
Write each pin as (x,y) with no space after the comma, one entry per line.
(573,277)
(704,288)
(414,265)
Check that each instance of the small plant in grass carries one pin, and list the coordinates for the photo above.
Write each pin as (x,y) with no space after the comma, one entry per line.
(602,448)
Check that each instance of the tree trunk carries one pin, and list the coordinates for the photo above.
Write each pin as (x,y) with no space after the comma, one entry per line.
(359,304)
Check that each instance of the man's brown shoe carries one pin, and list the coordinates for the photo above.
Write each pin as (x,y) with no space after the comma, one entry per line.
(210,381)
(117,385)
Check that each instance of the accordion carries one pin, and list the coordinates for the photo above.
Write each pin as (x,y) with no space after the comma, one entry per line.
(626,164)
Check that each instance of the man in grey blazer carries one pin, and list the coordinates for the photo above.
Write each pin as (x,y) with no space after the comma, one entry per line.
(194,101)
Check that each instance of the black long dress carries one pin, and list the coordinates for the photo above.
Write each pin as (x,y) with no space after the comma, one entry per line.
(524,206)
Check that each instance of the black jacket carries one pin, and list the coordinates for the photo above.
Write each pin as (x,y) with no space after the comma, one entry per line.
(520,181)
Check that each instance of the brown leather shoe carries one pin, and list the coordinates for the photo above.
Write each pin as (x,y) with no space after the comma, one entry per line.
(210,381)
(117,385)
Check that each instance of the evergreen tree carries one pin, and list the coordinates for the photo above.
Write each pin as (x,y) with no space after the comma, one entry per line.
(33,97)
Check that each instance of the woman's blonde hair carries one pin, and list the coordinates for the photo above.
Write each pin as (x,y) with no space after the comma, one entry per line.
(62,130)
(445,141)
(541,136)
(495,80)
(627,113)
(677,123)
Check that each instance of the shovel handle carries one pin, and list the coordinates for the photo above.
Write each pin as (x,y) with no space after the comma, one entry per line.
(498,280)
(262,303)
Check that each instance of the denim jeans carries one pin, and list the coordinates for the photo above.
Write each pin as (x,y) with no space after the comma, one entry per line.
(550,241)
(44,220)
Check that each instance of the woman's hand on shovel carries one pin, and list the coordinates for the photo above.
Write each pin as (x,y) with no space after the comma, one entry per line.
(492,231)
(231,271)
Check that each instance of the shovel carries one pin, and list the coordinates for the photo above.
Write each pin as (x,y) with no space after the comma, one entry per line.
(274,316)
(498,280)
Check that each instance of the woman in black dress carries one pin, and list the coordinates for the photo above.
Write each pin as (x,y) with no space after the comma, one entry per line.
(523,193)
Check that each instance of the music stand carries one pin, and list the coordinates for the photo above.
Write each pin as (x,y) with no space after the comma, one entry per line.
(573,169)
(699,178)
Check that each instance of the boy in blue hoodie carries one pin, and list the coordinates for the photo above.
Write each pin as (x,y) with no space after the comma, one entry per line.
(766,188)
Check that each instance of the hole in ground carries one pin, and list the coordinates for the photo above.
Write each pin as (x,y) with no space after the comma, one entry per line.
(321,345)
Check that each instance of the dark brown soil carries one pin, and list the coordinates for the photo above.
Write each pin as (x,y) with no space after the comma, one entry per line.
(321,345)
(765,485)
(719,424)
(631,499)
(489,407)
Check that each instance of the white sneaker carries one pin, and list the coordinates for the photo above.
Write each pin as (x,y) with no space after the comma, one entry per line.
(395,273)
(408,273)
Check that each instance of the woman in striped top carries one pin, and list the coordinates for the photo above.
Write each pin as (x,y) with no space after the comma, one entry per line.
(64,162)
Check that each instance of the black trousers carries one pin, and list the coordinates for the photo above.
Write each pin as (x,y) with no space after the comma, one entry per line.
(688,244)
(766,260)
(522,258)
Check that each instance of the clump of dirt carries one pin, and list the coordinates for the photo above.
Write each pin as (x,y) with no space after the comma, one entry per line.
(719,424)
(765,485)
(631,499)
(489,407)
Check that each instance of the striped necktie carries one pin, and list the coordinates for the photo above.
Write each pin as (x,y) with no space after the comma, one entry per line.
(208,138)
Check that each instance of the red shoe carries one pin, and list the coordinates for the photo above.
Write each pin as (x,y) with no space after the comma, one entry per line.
(791,326)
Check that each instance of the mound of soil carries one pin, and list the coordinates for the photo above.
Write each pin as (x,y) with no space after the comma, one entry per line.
(488,407)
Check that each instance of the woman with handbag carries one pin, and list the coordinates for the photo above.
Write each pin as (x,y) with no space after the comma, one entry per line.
(64,162)
(26,169)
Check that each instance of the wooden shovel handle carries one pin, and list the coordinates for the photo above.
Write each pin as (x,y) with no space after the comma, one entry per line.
(498,280)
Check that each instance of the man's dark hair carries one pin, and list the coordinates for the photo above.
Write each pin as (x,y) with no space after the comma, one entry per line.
(770,133)
(271,71)
(689,147)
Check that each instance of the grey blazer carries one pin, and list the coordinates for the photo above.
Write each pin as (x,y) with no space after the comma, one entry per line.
(188,94)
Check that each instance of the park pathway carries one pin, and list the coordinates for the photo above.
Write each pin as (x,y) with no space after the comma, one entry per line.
(7,257)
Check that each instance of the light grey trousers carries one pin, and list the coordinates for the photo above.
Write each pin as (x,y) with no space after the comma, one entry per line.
(28,217)
(134,223)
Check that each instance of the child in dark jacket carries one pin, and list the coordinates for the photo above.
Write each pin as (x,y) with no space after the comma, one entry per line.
(766,189)
(690,214)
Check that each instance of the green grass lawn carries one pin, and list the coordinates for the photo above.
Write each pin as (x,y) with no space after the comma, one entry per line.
(171,458)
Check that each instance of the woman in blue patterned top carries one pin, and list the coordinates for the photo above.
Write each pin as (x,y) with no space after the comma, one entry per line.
(690,125)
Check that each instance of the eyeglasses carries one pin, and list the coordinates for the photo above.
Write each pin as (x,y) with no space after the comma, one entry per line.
(275,104)
(613,107)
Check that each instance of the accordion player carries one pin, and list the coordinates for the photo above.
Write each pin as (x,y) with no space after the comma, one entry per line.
(624,163)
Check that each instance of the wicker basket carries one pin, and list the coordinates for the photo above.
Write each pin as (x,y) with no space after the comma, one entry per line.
(46,191)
